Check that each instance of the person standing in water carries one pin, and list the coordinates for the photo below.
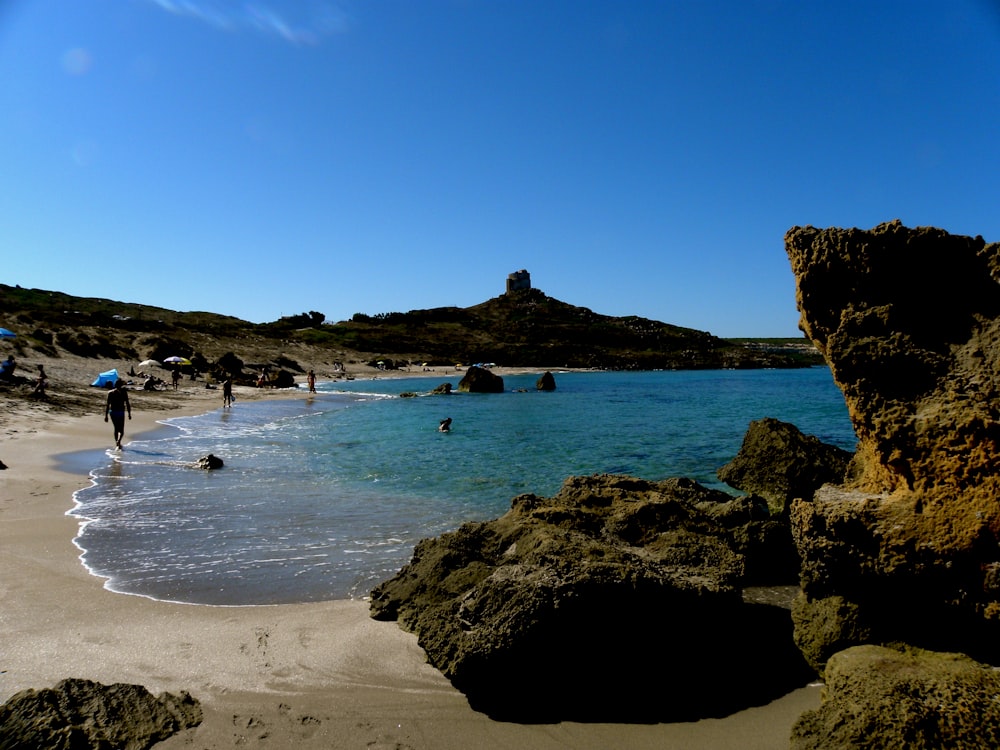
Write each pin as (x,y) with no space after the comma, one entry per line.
(445,425)
(117,405)
(311,379)
(227,392)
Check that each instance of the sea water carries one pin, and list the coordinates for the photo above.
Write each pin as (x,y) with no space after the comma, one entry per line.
(324,497)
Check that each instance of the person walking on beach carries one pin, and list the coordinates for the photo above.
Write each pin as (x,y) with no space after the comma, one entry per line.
(176,377)
(116,406)
(41,383)
(311,380)
(227,392)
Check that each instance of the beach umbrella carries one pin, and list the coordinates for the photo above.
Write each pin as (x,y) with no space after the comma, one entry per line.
(150,363)
(5,334)
(177,361)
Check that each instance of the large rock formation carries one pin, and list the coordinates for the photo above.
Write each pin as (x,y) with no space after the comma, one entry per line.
(908,549)
(878,697)
(480,380)
(546,382)
(80,714)
(616,599)
(780,464)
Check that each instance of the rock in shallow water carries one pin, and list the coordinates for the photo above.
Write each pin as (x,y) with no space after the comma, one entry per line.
(779,463)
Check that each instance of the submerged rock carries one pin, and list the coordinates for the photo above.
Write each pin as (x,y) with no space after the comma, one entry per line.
(567,607)
(80,714)
(878,697)
(908,548)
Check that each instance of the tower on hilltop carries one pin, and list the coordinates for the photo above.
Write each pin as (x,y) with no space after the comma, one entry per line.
(518,280)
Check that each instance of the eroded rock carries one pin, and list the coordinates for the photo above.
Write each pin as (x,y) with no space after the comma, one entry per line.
(779,463)
(909,546)
(878,697)
(480,380)
(566,607)
(546,382)
(80,714)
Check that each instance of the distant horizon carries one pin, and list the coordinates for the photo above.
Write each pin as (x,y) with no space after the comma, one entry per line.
(647,157)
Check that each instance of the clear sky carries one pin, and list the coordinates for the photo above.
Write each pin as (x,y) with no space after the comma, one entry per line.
(267,158)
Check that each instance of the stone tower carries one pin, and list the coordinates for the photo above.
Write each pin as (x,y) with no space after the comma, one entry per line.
(518,280)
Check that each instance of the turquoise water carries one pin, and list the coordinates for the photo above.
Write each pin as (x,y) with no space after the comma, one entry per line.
(323,497)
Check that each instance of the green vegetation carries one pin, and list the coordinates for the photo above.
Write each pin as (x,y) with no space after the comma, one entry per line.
(524,328)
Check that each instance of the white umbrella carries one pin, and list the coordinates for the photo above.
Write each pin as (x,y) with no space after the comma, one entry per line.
(150,363)
(177,361)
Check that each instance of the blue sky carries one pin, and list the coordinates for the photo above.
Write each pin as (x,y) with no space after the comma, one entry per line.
(267,158)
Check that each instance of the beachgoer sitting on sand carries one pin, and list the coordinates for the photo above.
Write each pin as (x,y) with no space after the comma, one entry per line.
(445,425)
(7,368)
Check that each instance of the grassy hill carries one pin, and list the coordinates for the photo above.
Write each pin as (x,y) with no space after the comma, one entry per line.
(525,328)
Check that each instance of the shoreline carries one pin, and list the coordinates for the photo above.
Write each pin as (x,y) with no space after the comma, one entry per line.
(311,675)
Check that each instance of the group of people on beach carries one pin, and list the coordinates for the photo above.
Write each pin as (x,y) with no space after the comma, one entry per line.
(9,365)
(117,406)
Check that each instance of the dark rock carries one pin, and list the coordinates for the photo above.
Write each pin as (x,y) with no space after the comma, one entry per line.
(480,380)
(444,388)
(209,462)
(408,394)
(282,379)
(546,382)
(80,714)
(779,463)
(564,607)
(908,549)
(879,697)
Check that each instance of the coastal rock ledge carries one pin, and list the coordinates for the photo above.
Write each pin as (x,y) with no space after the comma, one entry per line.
(617,599)
(907,548)
(906,551)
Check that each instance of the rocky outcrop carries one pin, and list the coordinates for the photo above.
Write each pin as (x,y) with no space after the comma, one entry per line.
(908,548)
(546,382)
(209,462)
(80,714)
(480,380)
(779,463)
(443,389)
(616,599)
(879,697)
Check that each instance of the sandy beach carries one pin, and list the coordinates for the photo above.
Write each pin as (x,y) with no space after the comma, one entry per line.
(315,675)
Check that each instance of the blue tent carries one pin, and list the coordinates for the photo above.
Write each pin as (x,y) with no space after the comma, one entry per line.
(111,376)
